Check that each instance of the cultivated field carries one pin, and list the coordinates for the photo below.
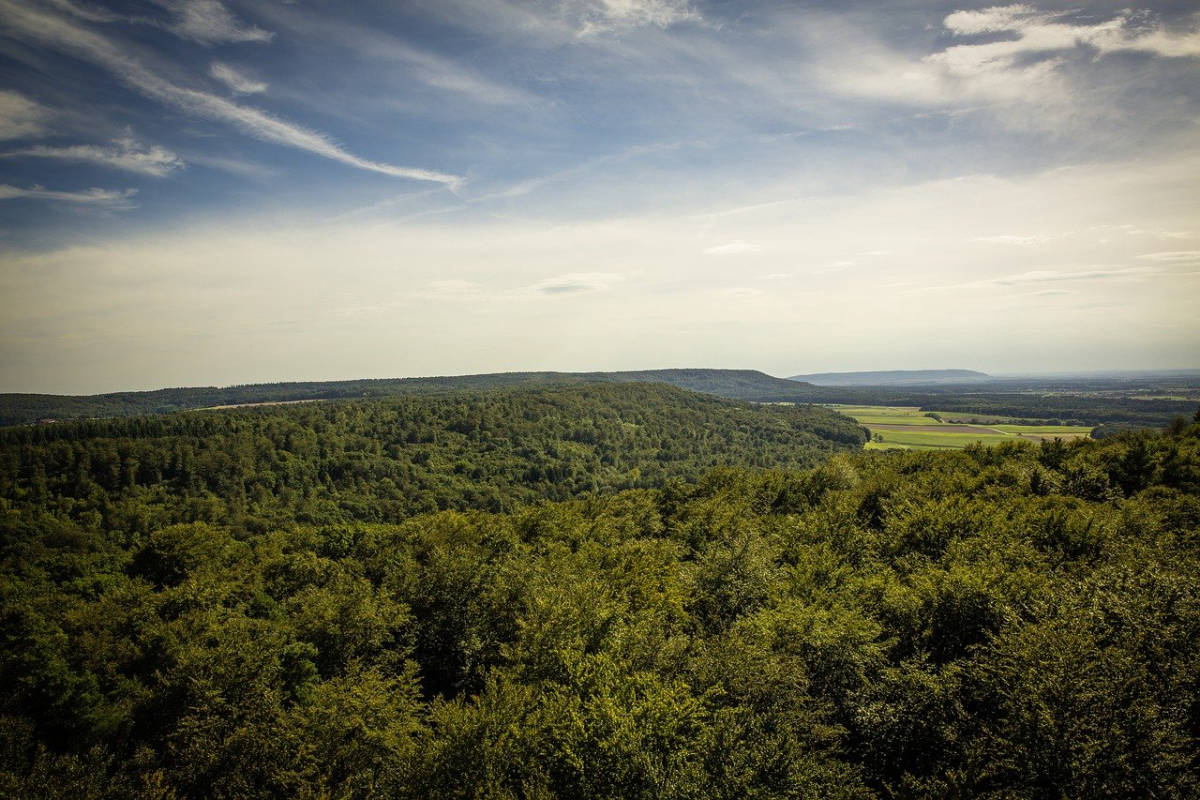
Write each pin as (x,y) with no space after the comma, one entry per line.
(909,428)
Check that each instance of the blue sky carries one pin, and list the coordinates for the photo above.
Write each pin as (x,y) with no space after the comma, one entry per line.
(214,192)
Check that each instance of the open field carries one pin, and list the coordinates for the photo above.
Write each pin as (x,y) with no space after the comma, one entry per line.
(1044,430)
(885,415)
(935,428)
(908,428)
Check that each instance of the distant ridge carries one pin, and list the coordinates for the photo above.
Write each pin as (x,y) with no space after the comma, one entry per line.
(895,377)
(734,384)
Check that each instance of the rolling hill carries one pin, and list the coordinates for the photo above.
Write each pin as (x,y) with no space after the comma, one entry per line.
(20,409)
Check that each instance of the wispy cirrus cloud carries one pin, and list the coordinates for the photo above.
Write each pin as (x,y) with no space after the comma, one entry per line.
(578,282)
(431,69)
(1040,276)
(88,13)
(109,198)
(20,117)
(599,16)
(64,35)
(235,80)
(125,153)
(563,21)
(208,22)
(1173,257)
(1010,239)
(231,165)
(733,248)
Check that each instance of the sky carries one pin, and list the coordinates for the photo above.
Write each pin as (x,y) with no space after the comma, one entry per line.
(216,192)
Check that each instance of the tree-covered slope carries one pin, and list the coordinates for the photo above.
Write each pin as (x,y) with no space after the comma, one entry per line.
(1082,401)
(19,409)
(1018,622)
(388,459)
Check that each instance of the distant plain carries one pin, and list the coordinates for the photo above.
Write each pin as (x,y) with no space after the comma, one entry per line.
(910,428)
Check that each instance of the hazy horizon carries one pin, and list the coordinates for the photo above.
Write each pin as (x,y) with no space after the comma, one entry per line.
(219,192)
(1001,376)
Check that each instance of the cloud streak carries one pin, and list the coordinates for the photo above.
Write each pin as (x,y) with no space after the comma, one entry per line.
(1039,276)
(601,16)
(125,153)
(208,22)
(235,80)
(97,49)
(1173,257)
(20,117)
(114,199)
(578,282)
(733,248)
(429,68)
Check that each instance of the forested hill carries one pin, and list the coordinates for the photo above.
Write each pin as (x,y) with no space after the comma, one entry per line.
(1090,401)
(1017,622)
(19,409)
(388,459)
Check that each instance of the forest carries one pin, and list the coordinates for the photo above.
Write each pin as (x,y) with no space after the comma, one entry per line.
(382,461)
(1126,402)
(595,591)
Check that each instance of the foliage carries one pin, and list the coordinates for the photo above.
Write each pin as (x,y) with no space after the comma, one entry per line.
(388,459)
(224,606)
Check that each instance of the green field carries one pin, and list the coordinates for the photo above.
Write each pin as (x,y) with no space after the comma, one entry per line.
(885,415)
(908,428)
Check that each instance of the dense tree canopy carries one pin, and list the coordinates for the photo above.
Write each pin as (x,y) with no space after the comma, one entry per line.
(388,459)
(235,605)
(1131,401)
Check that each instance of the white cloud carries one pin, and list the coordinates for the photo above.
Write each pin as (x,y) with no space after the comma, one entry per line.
(441,73)
(100,317)
(254,122)
(454,287)
(1175,256)
(1022,69)
(86,13)
(1056,275)
(576,282)
(991,20)
(598,16)
(208,22)
(232,166)
(109,198)
(125,153)
(1037,276)
(832,266)
(235,80)
(20,117)
(1038,33)
(565,20)
(1019,241)
(377,45)
(733,248)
